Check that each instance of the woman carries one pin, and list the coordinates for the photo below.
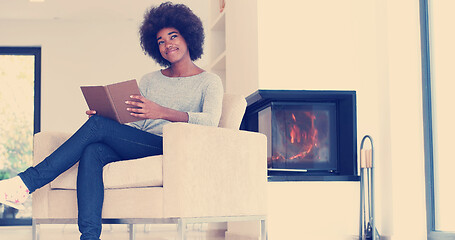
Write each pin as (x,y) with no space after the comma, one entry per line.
(182,92)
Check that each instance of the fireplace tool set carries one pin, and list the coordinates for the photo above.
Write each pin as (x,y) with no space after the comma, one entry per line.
(367,230)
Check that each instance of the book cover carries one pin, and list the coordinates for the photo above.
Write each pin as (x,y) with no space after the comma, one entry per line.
(109,101)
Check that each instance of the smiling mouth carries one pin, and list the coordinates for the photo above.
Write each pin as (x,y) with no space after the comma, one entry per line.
(172,50)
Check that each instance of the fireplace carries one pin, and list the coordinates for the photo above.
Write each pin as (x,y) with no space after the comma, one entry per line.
(311,135)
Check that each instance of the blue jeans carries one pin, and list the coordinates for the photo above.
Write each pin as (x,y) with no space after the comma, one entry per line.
(98,142)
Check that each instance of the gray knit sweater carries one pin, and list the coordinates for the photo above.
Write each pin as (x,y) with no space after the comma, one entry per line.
(201,96)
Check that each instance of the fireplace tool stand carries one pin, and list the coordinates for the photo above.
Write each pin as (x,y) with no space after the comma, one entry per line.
(367,229)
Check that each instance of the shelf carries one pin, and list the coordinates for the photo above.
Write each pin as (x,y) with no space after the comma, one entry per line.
(220,22)
(220,62)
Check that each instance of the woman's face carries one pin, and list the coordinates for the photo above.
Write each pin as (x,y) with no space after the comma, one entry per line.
(172,45)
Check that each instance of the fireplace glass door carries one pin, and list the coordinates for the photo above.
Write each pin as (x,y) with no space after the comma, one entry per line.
(301,136)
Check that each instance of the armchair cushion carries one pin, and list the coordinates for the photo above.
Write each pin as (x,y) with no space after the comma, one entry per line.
(143,172)
(233,109)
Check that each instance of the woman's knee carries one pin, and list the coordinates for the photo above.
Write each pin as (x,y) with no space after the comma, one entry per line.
(99,126)
(94,121)
(100,120)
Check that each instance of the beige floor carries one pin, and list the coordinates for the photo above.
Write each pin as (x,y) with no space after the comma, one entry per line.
(110,232)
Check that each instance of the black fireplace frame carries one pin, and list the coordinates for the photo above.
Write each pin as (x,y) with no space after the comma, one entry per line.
(345,102)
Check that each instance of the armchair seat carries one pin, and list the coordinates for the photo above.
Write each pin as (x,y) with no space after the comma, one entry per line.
(137,173)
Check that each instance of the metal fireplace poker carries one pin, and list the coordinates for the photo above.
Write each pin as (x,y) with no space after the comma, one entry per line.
(367,229)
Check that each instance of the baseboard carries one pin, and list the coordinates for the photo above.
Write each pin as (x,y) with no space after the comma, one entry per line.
(233,236)
(357,238)
(209,234)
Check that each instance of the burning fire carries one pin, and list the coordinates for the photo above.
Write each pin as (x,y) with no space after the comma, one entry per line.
(303,135)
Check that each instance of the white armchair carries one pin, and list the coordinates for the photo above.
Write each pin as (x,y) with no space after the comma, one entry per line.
(206,174)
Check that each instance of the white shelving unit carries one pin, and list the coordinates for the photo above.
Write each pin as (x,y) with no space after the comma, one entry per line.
(218,41)
(233,40)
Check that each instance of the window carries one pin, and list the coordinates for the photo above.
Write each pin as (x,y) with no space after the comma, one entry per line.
(438,84)
(19,118)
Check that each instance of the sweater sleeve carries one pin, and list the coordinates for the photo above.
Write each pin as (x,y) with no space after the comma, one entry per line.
(212,101)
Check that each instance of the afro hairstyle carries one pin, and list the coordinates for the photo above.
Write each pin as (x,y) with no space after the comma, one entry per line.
(177,16)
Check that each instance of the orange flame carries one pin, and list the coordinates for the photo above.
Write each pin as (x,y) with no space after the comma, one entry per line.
(293,117)
(295,131)
(307,138)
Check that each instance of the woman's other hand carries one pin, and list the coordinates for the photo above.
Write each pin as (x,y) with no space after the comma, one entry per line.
(90,112)
(144,108)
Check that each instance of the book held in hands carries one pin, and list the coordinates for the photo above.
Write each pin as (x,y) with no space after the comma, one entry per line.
(109,101)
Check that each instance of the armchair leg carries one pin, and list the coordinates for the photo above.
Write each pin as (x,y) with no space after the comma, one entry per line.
(264,230)
(181,229)
(132,231)
(35,230)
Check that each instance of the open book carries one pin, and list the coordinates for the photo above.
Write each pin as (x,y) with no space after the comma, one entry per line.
(109,101)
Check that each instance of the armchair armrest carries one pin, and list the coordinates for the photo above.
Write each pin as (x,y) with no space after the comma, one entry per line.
(211,171)
(45,143)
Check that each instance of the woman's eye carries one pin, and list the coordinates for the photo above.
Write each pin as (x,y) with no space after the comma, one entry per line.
(160,42)
(173,36)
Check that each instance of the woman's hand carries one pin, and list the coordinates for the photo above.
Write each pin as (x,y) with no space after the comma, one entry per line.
(90,113)
(144,108)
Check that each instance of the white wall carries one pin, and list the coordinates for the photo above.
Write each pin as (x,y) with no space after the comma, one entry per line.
(407,165)
(442,51)
(371,47)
